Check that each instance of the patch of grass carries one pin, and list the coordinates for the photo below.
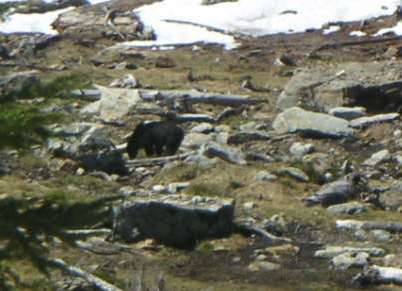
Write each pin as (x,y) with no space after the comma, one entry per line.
(57,87)
(28,225)
(4,7)
(206,189)
(180,173)
(22,125)
(205,246)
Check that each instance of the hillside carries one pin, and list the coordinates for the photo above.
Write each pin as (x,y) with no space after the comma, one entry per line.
(288,177)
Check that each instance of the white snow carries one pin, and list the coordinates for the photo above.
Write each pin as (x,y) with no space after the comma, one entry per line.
(331,29)
(397,29)
(252,17)
(35,22)
(357,33)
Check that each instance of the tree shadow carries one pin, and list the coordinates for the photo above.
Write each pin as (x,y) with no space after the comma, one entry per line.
(27,226)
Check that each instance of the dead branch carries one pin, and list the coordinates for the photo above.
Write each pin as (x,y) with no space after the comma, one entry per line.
(89,232)
(77,272)
(195,118)
(246,229)
(157,161)
(395,227)
(357,42)
(193,96)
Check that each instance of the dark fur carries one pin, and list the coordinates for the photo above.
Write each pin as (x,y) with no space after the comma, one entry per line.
(162,137)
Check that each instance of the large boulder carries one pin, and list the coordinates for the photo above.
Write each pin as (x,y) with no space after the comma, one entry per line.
(87,143)
(113,104)
(373,85)
(392,198)
(176,220)
(90,22)
(297,120)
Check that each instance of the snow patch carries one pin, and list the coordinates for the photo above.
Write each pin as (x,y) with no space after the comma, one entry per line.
(34,23)
(251,17)
(331,29)
(357,33)
(397,29)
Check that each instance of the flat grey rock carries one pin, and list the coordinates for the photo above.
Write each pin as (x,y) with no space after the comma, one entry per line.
(347,208)
(312,124)
(177,220)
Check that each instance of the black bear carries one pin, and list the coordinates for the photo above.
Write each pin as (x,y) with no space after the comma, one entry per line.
(160,137)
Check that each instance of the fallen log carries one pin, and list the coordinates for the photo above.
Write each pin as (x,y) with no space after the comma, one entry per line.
(247,229)
(351,224)
(357,42)
(195,118)
(77,272)
(379,275)
(157,161)
(89,232)
(193,96)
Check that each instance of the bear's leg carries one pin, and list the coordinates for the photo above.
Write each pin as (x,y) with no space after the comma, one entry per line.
(172,147)
(159,149)
(149,149)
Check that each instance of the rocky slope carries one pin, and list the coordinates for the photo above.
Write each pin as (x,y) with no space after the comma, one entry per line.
(289,174)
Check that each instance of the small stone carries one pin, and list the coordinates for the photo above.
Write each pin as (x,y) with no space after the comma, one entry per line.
(140,169)
(360,235)
(236,260)
(381,235)
(299,150)
(294,173)
(378,158)
(196,200)
(222,138)
(397,133)
(158,189)
(276,224)
(261,258)
(80,172)
(249,205)
(265,176)
(177,187)
(127,81)
(398,160)
(347,260)
(285,249)
(127,191)
(195,140)
(263,266)
(203,128)
(347,208)
(333,251)
(328,177)
(393,260)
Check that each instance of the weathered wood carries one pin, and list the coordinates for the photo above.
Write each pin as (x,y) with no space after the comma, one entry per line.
(157,161)
(195,118)
(193,96)
(247,229)
(379,275)
(357,42)
(228,112)
(89,232)
(77,272)
(395,227)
